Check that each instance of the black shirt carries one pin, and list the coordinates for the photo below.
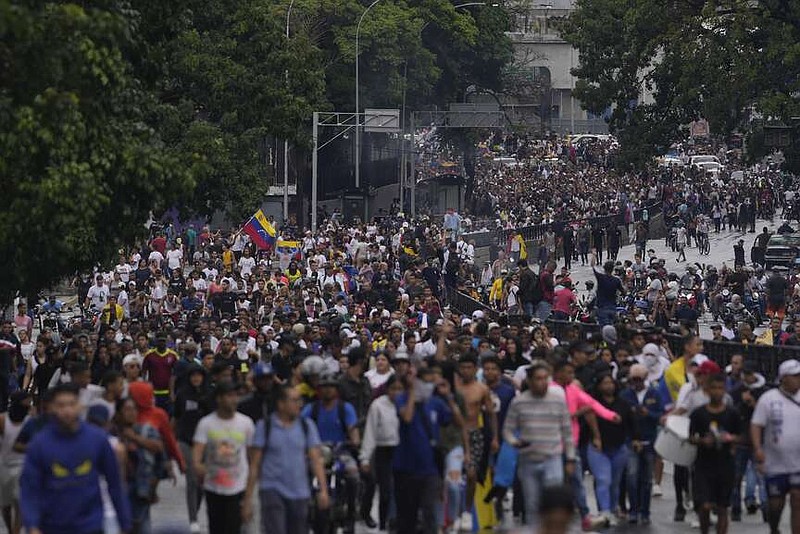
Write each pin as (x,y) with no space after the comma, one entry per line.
(703,422)
(615,435)
(607,288)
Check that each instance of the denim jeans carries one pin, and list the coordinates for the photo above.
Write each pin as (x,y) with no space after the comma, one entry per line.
(194,491)
(454,483)
(543,310)
(640,481)
(530,308)
(606,315)
(578,491)
(283,516)
(534,477)
(607,468)
(746,469)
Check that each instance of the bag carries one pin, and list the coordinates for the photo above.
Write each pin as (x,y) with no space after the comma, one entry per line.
(439,452)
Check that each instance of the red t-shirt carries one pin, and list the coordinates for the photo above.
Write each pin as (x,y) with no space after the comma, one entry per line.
(159,244)
(159,366)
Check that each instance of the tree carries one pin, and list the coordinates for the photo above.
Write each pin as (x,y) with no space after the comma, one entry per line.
(80,168)
(660,65)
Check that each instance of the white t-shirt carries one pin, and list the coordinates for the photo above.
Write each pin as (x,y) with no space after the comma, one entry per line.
(225,457)
(98,296)
(124,272)
(246,265)
(779,417)
(174,258)
(155,257)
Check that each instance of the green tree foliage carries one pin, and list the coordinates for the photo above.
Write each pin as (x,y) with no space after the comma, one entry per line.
(80,168)
(717,59)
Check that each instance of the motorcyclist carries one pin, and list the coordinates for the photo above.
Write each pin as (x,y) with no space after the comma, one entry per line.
(311,369)
(337,424)
(53,305)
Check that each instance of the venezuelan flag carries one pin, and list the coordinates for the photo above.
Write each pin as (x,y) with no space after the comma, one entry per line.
(261,231)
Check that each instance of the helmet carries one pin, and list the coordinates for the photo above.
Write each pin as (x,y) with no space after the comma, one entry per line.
(313,365)
(328,379)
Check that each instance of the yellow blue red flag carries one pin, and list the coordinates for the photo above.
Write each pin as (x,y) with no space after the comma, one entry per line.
(260,230)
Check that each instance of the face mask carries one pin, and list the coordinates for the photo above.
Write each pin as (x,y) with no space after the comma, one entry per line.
(650,360)
(424,390)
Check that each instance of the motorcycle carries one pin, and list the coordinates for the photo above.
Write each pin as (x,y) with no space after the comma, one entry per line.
(335,516)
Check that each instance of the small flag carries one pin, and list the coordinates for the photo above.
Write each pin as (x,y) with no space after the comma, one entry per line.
(261,231)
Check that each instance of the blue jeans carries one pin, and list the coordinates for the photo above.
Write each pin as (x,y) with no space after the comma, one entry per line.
(607,468)
(454,483)
(543,310)
(578,491)
(745,469)
(140,513)
(606,315)
(530,308)
(640,481)
(534,477)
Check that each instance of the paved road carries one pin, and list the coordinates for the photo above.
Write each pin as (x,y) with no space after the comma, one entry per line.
(170,514)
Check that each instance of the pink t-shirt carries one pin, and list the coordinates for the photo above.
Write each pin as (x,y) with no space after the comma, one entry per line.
(562,300)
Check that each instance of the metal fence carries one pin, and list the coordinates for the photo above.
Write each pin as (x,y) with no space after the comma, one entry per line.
(766,358)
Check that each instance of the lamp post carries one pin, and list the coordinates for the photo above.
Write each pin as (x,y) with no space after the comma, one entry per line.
(286,141)
(358,108)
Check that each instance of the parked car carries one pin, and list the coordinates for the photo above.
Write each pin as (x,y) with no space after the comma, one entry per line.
(699,162)
(782,249)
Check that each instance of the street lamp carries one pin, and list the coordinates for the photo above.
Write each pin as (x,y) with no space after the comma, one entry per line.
(286,141)
(358,109)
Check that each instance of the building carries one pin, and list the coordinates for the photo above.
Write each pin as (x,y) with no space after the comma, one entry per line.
(545,59)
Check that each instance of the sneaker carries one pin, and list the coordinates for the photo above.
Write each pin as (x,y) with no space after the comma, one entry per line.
(194,528)
(590,522)
(369,522)
(611,519)
(680,514)
(752,508)
(657,490)
(695,523)
(466,522)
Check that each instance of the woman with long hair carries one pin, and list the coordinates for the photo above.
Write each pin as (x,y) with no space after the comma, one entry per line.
(608,453)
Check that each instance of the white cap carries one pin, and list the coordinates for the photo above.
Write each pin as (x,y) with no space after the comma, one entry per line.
(477,314)
(789,368)
(466,321)
(699,359)
(132,358)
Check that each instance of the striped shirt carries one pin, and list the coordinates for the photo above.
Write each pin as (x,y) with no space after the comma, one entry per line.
(543,422)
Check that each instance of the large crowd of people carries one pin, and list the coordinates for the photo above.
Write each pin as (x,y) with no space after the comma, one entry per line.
(305,383)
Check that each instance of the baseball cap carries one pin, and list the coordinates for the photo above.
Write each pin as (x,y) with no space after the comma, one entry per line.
(263,369)
(699,359)
(789,368)
(477,314)
(131,359)
(708,367)
(466,321)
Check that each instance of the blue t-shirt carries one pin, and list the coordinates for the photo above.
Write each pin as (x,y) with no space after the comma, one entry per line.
(414,454)
(505,394)
(283,467)
(329,423)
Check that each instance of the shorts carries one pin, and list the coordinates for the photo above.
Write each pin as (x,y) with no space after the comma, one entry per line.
(9,485)
(712,485)
(476,449)
(780,485)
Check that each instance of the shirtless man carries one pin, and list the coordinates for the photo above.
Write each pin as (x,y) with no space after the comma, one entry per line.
(477,402)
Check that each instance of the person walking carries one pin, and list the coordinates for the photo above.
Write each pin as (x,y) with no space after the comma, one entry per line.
(538,423)
(775,435)
(285,447)
(191,405)
(607,462)
(714,428)
(63,466)
(381,436)
(647,409)
(220,459)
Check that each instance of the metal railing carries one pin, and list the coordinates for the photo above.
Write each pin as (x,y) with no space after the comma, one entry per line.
(766,358)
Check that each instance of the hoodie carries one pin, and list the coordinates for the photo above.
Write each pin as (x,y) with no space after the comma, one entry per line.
(60,482)
(142,394)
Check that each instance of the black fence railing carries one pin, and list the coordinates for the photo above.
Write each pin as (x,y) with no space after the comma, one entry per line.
(766,358)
